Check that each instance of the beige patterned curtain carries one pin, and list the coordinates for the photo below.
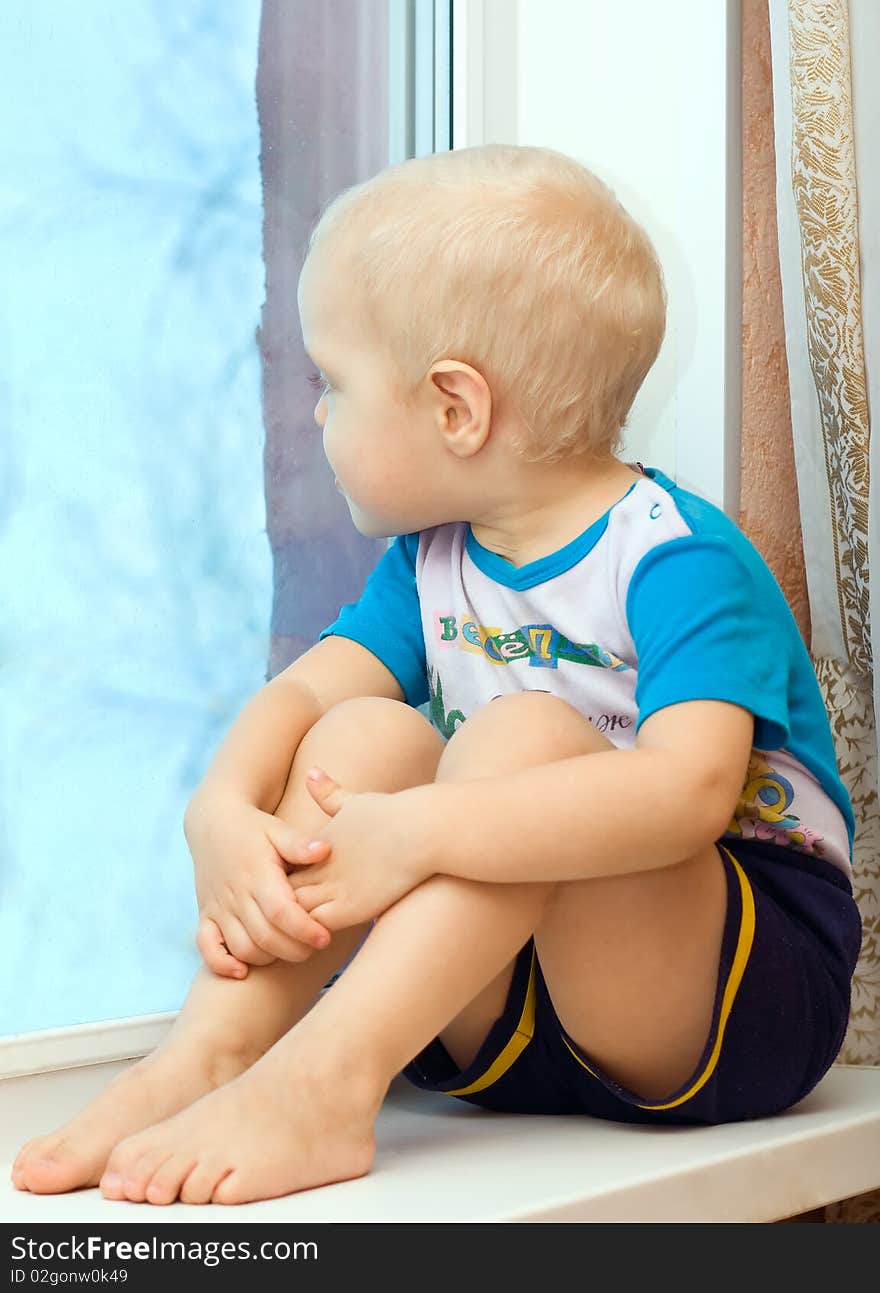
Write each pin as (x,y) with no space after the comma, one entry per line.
(825,102)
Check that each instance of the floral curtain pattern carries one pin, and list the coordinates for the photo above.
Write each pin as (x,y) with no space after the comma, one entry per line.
(827,295)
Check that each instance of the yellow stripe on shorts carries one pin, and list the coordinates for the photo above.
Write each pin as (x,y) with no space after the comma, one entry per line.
(737,969)
(523,1034)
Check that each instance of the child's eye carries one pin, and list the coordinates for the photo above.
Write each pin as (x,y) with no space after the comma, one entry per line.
(315,379)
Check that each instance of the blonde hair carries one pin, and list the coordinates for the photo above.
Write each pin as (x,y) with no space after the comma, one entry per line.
(518,261)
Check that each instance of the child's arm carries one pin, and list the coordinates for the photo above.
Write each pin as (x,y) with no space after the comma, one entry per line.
(228,823)
(254,759)
(601,814)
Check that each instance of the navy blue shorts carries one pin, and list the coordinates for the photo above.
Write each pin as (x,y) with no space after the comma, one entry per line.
(791,940)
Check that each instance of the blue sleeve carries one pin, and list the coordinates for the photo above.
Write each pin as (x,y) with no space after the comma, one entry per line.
(387,620)
(703,631)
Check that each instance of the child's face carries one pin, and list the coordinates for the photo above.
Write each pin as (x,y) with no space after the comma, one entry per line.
(382,453)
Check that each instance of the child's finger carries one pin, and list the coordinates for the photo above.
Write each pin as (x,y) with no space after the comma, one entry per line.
(325,791)
(321,906)
(290,941)
(312,851)
(326,912)
(289,842)
(310,895)
(278,903)
(215,953)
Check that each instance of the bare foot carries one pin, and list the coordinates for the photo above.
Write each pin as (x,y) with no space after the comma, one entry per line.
(156,1087)
(287,1124)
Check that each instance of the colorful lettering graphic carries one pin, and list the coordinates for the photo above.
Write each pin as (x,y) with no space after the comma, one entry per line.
(541,646)
(763,810)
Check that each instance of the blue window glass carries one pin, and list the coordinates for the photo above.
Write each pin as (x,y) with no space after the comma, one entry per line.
(135,573)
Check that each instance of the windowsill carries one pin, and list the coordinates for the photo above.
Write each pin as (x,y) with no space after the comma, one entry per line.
(439,1159)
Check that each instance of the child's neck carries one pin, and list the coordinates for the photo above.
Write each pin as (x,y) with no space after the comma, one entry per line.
(527,533)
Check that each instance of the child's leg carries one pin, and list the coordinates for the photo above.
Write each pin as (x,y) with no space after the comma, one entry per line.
(303,1115)
(427,959)
(226,1024)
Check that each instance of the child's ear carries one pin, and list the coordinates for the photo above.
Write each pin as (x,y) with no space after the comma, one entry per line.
(466,405)
(460,381)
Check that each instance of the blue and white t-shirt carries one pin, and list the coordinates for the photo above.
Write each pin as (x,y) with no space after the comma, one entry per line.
(663,599)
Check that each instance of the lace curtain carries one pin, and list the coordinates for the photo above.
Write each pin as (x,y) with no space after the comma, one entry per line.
(827,126)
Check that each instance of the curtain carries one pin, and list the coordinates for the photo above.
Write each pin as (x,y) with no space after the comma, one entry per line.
(825,103)
(322,95)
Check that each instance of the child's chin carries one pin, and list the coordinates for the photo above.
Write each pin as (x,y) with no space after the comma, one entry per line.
(372,527)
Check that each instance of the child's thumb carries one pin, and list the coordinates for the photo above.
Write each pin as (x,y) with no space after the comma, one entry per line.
(325,791)
(287,840)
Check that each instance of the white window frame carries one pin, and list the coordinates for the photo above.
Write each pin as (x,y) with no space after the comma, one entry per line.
(466,52)
(485,65)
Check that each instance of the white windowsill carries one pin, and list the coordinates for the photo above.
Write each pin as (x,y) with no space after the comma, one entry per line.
(439,1159)
(76,1045)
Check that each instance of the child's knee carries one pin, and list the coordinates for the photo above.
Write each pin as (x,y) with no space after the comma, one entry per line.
(517,731)
(371,743)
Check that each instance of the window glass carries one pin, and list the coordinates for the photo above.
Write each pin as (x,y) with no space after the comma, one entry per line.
(170,531)
(135,572)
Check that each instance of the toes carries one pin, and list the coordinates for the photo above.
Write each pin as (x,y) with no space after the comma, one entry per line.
(139,1177)
(48,1167)
(110,1185)
(23,1153)
(167,1179)
(229,1189)
(130,1169)
(40,1146)
(202,1182)
(19,1164)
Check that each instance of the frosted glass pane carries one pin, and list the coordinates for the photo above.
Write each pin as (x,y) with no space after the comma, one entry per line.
(135,571)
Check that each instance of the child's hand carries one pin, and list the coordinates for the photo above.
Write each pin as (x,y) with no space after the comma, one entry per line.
(377,854)
(248,912)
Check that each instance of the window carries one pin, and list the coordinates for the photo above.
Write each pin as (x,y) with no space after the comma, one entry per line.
(154,566)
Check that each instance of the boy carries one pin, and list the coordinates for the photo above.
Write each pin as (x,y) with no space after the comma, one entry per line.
(611,875)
